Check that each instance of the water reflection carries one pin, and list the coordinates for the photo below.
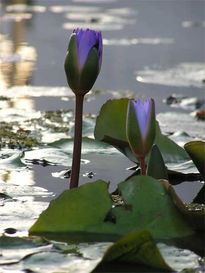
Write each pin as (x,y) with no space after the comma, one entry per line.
(18,177)
(17,58)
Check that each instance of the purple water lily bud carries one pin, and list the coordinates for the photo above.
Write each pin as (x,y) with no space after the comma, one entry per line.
(83,60)
(140,126)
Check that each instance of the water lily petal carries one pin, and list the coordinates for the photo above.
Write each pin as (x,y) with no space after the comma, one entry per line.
(83,59)
(140,127)
(85,42)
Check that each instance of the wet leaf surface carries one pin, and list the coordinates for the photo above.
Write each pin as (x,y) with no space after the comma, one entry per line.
(11,160)
(159,170)
(89,145)
(184,74)
(196,150)
(182,126)
(20,214)
(136,247)
(194,213)
(25,8)
(158,213)
(84,257)
(13,249)
(137,41)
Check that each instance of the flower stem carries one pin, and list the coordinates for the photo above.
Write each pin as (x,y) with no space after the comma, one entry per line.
(142,165)
(77,142)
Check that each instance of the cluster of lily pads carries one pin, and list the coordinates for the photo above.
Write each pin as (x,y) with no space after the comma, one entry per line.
(144,210)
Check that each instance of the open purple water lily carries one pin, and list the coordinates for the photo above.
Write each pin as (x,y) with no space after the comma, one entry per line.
(83,60)
(140,126)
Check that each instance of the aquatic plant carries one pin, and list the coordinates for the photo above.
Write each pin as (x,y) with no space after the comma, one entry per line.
(82,66)
(140,128)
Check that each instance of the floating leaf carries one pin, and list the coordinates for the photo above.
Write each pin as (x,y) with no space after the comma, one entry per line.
(79,210)
(179,259)
(13,249)
(20,214)
(200,198)
(156,167)
(131,251)
(148,205)
(138,248)
(27,255)
(111,128)
(89,145)
(171,152)
(194,213)
(50,156)
(184,74)
(196,150)
(92,213)
(11,160)
(53,261)
(182,126)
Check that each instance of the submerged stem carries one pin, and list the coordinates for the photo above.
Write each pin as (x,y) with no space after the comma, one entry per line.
(77,141)
(142,165)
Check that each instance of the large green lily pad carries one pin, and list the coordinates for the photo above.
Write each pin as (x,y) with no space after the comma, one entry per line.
(79,210)
(87,210)
(111,128)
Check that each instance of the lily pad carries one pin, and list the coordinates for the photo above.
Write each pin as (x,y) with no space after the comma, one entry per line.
(48,156)
(89,145)
(25,8)
(137,41)
(184,126)
(11,160)
(111,128)
(131,251)
(179,259)
(184,74)
(159,215)
(93,199)
(138,248)
(93,213)
(194,213)
(196,150)
(13,249)
(20,214)
(156,167)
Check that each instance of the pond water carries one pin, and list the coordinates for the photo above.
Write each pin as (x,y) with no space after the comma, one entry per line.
(151,49)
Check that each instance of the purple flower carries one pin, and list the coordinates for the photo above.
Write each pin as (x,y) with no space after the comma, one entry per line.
(83,60)
(86,40)
(140,126)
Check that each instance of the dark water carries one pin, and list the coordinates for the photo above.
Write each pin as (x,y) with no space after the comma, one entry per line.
(44,33)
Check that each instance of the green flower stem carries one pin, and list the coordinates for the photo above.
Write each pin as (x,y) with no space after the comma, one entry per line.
(142,165)
(77,141)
